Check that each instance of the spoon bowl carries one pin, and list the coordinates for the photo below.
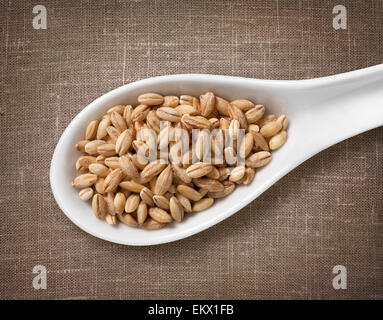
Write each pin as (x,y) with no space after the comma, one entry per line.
(321,112)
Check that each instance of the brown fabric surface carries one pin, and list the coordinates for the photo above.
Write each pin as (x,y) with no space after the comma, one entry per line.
(329,211)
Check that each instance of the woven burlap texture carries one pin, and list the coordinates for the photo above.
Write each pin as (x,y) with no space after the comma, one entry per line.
(327,212)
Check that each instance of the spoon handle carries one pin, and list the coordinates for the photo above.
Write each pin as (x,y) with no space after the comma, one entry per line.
(335,108)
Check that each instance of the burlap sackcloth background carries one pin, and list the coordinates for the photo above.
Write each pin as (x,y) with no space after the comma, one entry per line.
(327,212)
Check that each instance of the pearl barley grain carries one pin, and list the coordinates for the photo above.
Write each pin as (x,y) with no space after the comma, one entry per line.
(122,168)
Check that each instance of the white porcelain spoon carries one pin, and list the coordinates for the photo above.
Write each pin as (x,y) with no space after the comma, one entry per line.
(322,112)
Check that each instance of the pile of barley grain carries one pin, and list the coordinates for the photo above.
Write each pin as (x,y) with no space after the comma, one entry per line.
(150,194)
